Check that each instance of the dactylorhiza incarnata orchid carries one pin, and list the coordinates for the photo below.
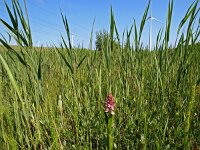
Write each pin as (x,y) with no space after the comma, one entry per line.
(109,111)
(110,104)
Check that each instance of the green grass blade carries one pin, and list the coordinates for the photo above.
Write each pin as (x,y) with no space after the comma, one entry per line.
(81,61)
(14,51)
(91,35)
(66,62)
(136,36)
(112,28)
(39,72)
(189,12)
(117,34)
(3,37)
(65,22)
(144,18)
(66,47)
(13,20)
(14,83)
(168,23)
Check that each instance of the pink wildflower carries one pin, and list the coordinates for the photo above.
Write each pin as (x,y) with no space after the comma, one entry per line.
(110,104)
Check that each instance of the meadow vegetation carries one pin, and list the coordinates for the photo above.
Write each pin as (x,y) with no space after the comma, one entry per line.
(53,98)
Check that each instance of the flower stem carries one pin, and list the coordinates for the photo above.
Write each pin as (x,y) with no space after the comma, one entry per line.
(109,145)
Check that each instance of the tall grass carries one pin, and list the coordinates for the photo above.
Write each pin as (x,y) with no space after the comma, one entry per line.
(53,98)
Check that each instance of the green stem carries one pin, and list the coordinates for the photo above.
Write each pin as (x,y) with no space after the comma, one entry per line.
(109,145)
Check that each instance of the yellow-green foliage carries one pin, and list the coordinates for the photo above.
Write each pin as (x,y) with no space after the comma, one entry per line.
(53,98)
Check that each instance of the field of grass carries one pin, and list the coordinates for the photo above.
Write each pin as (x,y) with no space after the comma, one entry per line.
(53,98)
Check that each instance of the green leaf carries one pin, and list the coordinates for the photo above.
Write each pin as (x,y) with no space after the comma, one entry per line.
(14,51)
(168,22)
(39,73)
(66,62)
(187,15)
(91,35)
(136,36)
(112,28)
(67,29)
(13,20)
(14,83)
(116,31)
(68,50)
(81,61)
(3,37)
(144,18)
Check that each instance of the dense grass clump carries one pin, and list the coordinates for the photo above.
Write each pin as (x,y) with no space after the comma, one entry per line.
(53,98)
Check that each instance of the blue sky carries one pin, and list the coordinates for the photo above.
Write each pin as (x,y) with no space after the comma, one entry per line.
(46,22)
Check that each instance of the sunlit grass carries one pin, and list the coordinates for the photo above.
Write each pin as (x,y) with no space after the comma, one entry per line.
(53,98)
